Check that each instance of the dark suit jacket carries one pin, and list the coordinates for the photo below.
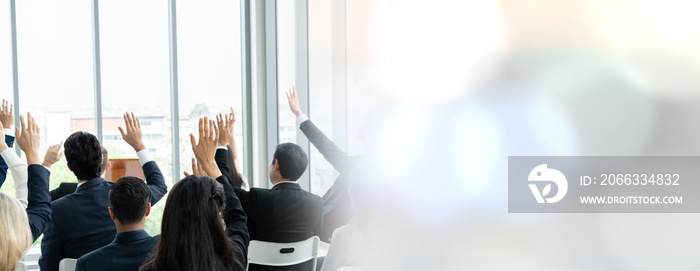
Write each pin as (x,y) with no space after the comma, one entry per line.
(283,214)
(39,207)
(126,252)
(3,166)
(337,210)
(63,189)
(80,222)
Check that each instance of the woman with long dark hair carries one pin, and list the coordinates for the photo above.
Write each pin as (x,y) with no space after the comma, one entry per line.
(193,235)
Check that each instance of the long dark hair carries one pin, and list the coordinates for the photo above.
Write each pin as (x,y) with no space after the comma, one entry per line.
(192,232)
(236,179)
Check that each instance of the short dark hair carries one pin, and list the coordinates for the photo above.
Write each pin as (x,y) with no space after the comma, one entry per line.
(105,160)
(128,198)
(292,160)
(84,155)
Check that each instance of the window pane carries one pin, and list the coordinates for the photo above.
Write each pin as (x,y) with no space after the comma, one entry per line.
(6,73)
(209,58)
(320,89)
(55,72)
(5,54)
(285,68)
(135,77)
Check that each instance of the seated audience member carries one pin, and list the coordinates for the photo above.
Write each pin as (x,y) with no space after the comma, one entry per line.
(128,208)
(65,188)
(16,166)
(337,210)
(193,236)
(285,213)
(20,227)
(80,222)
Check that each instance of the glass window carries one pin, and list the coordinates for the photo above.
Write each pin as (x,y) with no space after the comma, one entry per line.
(285,68)
(209,58)
(135,77)
(55,72)
(6,91)
(320,89)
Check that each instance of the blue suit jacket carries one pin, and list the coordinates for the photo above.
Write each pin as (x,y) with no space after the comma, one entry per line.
(80,222)
(127,252)
(3,166)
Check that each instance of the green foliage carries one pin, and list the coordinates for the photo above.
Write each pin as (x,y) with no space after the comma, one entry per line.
(200,109)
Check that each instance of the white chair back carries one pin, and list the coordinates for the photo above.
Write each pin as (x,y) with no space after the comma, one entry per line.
(67,264)
(283,254)
(21,267)
(349,268)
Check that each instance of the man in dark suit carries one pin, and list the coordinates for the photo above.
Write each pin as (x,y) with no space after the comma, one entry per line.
(80,222)
(129,206)
(66,188)
(285,213)
(337,208)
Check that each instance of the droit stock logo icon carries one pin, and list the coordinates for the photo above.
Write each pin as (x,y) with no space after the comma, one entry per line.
(543,174)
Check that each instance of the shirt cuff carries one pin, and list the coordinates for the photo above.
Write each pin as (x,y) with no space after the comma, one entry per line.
(11,157)
(8,132)
(301,119)
(222,147)
(145,156)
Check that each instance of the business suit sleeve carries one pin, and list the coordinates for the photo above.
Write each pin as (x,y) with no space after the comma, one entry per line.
(9,140)
(79,265)
(39,208)
(340,160)
(235,218)
(221,158)
(155,181)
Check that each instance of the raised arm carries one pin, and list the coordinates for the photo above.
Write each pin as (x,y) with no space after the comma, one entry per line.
(6,120)
(204,151)
(134,137)
(10,159)
(232,141)
(235,218)
(340,160)
(39,208)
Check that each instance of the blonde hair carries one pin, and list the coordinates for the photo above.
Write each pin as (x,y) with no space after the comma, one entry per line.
(15,235)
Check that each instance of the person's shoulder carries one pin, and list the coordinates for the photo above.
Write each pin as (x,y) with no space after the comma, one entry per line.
(97,256)
(312,196)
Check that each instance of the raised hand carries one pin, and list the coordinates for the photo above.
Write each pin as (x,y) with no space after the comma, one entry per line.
(205,149)
(133,135)
(53,154)
(225,125)
(293,101)
(196,169)
(232,141)
(7,116)
(28,138)
(3,145)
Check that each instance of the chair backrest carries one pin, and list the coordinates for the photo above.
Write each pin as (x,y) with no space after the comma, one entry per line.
(349,268)
(67,264)
(21,267)
(283,254)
